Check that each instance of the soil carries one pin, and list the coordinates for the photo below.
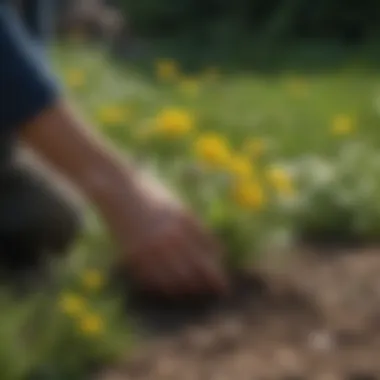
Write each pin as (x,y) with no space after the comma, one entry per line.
(311,314)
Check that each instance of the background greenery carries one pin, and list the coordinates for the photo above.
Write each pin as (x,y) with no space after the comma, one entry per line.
(200,88)
(258,33)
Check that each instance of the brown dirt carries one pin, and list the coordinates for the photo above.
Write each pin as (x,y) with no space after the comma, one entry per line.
(313,317)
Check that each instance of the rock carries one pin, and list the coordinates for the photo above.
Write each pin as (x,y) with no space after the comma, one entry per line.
(321,341)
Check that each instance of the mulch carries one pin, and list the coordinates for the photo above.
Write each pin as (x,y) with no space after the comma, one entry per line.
(310,314)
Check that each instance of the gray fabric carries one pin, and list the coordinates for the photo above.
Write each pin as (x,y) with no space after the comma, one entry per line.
(36,219)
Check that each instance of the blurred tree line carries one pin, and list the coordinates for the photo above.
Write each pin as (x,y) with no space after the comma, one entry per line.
(259,31)
(348,21)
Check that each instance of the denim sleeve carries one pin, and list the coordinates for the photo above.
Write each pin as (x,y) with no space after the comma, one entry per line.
(26,85)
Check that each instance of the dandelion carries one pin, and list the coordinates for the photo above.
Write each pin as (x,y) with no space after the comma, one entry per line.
(254,147)
(212,149)
(173,122)
(93,280)
(281,180)
(72,304)
(189,87)
(249,195)
(91,324)
(112,114)
(240,166)
(342,125)
(167,70)
(75,78)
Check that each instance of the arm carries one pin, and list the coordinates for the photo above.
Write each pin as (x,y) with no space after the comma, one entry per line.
(32,106)
(166,248)
(59,135)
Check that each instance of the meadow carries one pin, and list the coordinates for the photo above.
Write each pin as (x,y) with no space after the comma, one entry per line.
(266,160)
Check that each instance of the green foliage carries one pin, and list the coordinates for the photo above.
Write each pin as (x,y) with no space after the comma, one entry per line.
(264,23)
(340,196)
(336,175)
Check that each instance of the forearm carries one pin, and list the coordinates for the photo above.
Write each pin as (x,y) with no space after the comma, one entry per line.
(62,138)
(33,108)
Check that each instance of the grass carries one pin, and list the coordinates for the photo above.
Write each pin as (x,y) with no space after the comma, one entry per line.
(263,159)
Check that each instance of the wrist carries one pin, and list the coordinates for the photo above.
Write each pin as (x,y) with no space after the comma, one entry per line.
(115,195)
(109,183)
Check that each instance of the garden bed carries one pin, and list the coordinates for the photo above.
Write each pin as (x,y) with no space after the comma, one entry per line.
(265,163)
(313,317)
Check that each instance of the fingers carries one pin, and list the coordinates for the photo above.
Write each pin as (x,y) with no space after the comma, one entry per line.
(210,263)
(192,267)
(178,263)
(210,269)
(203,237)
(151,271)
(161,269)
(180,258)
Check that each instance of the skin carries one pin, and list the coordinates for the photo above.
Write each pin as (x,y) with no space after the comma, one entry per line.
(162,243)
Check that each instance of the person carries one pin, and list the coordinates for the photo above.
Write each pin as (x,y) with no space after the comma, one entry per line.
(162,244)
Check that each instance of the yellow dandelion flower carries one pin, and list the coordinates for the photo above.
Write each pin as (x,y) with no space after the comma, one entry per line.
(167,70)
(91,324)
(72,304)
(93,280)
(75,78)
(281,180)
(240,166)
(213,150)
(112,114)
(342,125)
(255,147)
(189,87)
(173,122)
(249,195)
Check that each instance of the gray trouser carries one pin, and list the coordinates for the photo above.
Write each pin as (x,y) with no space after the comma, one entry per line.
(37,219)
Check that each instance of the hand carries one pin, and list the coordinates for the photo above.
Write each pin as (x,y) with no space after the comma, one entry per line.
(164,245)
(169,251)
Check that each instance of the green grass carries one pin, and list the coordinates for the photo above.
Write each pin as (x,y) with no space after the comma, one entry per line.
(245,103)
(336,180)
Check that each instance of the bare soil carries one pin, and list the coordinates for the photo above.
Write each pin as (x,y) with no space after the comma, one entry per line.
(311,314)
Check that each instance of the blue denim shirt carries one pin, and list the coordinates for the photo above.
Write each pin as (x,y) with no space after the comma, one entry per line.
(26,84)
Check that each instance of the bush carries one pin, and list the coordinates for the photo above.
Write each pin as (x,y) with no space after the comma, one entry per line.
(220,21)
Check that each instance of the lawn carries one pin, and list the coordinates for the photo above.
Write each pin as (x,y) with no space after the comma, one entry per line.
(265,160)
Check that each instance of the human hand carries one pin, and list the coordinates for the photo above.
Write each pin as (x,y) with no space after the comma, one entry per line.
(165,247)
(169,251)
